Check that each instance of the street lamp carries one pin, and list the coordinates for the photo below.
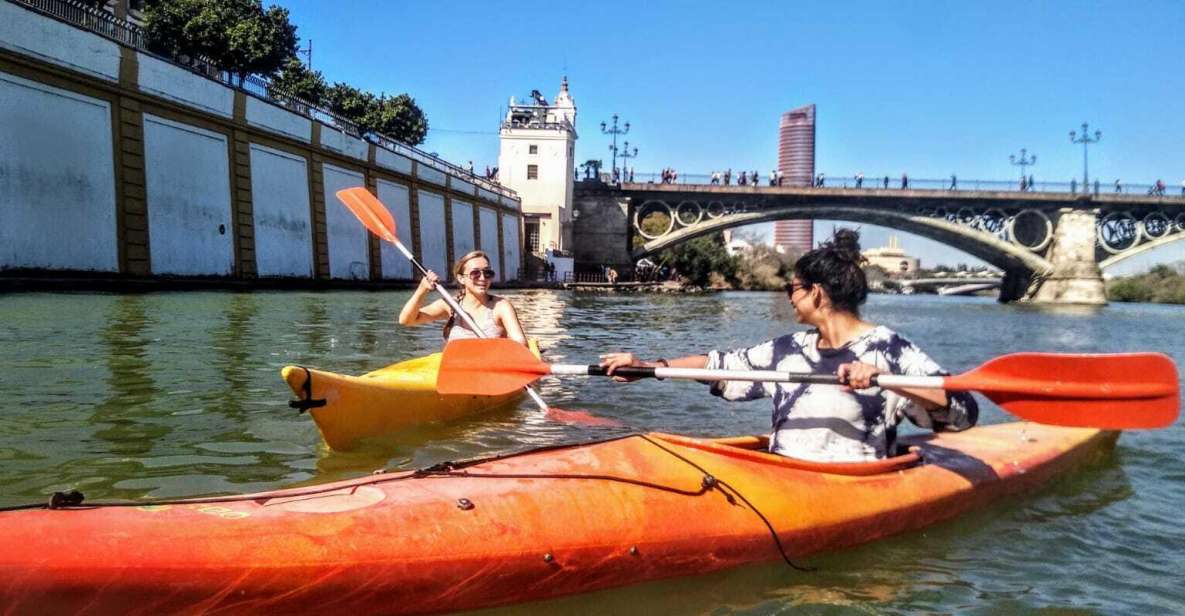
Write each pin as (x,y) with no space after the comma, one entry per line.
(1022,163)
(1085,140)
(625,155)
(615,132)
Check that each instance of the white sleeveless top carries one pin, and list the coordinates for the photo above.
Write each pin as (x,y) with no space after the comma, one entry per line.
(486,321)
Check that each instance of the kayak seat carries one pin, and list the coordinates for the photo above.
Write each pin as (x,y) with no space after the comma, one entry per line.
(755,449)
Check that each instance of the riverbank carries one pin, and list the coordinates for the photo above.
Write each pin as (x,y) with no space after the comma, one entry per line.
(1163,284)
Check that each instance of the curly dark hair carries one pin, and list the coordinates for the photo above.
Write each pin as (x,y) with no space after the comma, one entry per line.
(836,266)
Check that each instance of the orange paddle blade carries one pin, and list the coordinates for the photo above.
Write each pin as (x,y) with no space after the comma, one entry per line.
(1116,392)
(370,211)
(490,367)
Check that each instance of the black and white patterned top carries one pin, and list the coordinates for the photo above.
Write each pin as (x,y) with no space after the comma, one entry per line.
(829,423)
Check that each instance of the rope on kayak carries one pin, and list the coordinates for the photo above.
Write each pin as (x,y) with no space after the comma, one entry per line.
(307,402)
(710,481)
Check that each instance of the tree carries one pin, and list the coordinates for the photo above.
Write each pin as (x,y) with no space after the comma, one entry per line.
(697,259)
(238,36)
(296,79)
(398,116)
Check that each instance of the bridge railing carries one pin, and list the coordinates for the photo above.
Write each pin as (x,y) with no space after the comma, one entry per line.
(943,184)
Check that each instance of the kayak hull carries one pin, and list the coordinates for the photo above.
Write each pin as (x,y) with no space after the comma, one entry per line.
(531,526)
(384,401)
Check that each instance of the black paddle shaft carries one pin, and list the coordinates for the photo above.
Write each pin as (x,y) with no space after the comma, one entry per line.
(638,372)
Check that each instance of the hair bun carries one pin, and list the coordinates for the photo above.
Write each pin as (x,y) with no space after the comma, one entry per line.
(846,245)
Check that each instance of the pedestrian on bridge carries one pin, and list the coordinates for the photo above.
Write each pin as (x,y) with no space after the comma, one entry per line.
(1032,184)
(773,179)
(904,181)
(886,181)
(715,178)
(754,178)
(1118,186)
(1183,188)
(1024,184)
(860,180)
(954,182)
(727,176)
(744,179)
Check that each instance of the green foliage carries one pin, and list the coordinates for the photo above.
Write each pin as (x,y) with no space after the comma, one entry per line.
(1162,284)
(698,259)
(397,116)
(762,267)
(238,36)
(297,80)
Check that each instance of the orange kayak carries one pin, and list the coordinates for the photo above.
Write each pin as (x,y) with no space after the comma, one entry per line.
(499,531)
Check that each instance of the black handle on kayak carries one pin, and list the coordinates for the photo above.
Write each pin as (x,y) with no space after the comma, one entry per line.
(637,372)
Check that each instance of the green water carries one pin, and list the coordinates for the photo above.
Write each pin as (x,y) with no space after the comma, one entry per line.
(178,394)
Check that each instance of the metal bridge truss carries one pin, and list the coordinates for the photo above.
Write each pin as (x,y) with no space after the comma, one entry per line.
(1001,235)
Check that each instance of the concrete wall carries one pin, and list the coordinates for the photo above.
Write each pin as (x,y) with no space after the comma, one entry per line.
(57,189)
(433,243)
(511,247)
(283,225)
(603,225)
(187,177)
(397,198)
(57,43)
(349,250)
(463,240)
(488,221)
(113,160)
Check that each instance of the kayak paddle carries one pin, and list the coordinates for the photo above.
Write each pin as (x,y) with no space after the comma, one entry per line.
(376,217)
(1116,392)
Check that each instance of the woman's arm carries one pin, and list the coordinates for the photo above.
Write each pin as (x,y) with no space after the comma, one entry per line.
(612,361)
(413,314)
(504,311)
(858,375)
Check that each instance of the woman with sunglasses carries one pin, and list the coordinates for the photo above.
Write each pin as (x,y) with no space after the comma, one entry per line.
(851,421)
(494,315)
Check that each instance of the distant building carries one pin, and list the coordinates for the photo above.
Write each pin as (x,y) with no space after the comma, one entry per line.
(735,245)
(796,164)
(892,258)
(536,159)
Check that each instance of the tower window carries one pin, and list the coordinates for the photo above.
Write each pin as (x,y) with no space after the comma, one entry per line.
(534,149)
(532,171)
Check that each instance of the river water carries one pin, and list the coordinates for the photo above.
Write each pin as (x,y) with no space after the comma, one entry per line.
(169,395)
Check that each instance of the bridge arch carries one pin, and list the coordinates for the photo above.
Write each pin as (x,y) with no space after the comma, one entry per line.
(1000,253)
(1140,248)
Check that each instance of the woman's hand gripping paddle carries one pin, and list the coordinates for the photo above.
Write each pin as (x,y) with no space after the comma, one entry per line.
(377,218)
(1114,392)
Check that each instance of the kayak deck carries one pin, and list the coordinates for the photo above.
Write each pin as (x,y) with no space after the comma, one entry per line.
(529,526)
(349,409)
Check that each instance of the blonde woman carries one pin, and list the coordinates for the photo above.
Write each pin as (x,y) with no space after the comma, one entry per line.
(494,315)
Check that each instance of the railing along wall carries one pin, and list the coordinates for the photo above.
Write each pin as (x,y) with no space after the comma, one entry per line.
(107,25)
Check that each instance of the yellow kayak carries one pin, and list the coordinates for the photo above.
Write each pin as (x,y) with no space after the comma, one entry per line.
(348,409)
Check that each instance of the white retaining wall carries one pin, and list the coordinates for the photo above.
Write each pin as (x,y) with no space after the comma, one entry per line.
(349,255)
(489,237)
(57,185)
(511,246)
(462,228)
(283,229)
(187,177)
(433,244)
(397,198)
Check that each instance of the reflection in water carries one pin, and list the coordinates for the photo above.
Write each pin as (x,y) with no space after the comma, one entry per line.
(233,352)
(130,425)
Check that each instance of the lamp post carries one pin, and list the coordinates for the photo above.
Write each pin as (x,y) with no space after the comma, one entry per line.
(1023,162)
(615,131)
(625,155)
(1085,140)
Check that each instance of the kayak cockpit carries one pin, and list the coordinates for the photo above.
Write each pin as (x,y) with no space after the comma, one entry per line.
(755,449)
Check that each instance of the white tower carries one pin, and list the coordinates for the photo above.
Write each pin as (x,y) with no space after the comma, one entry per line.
(537,160)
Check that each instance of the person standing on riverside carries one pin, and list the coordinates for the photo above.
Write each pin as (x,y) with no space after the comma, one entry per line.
(852,420)
(494,315)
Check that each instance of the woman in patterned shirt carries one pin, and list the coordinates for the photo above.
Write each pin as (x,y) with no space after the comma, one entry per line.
(852,420)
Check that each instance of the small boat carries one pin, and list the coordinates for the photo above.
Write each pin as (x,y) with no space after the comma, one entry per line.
(349,409)
(498,531)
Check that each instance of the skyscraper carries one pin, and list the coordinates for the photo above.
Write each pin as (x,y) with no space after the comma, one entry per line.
(796,164)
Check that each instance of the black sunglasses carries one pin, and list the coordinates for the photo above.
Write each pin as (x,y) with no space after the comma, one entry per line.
(790,288)
(487,272)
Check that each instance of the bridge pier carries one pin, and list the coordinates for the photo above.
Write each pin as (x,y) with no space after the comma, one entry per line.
(1075,277)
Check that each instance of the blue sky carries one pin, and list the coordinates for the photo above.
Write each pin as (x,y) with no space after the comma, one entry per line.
(928,88)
